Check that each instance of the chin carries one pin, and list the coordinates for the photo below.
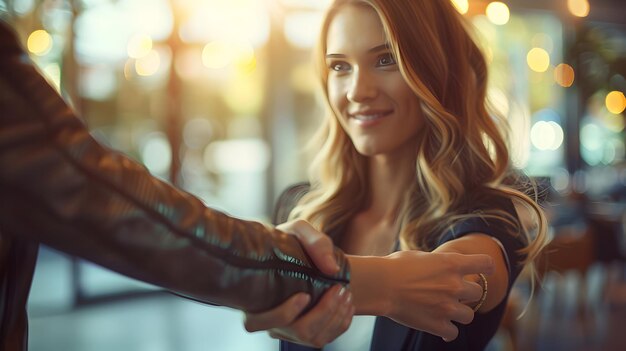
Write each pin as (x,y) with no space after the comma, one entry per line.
(367,150)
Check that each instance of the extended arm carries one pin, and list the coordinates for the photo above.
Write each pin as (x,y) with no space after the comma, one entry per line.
(425,291)
(60,187)
(422,290)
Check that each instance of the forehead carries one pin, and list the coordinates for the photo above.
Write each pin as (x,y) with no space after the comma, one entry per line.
(354,28)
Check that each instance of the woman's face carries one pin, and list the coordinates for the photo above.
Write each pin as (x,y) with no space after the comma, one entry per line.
(366,90)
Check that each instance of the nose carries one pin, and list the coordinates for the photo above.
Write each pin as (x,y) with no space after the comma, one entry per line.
(362,87)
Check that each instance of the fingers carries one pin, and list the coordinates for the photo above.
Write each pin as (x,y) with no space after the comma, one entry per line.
(327,320)
(442,322)
(474,264)
(316,244)
(277,317)
(471,292)
(338,324)
(447,332)
(336,300)
(462,314)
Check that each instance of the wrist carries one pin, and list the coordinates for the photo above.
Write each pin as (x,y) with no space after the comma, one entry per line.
(370,285)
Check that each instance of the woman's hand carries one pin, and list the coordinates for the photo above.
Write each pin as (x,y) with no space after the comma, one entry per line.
(328,319)
(421,290)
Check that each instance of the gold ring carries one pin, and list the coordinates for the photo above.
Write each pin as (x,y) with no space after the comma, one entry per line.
(483,280)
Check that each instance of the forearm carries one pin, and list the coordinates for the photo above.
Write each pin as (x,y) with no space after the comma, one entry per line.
(422,290)
(369,285)
(60,187)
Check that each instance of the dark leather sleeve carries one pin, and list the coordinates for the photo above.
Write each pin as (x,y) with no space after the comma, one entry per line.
(60,187)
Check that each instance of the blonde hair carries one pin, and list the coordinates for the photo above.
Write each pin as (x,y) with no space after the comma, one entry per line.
(462,150)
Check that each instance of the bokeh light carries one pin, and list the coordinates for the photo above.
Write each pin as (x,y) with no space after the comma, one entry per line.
(139,46)
(591,136)
(560,179)
(39,42)
(301,28)
(578,8)
(538,60)
(219,54)
(238,155)
(615,102)
(156,153)
(498,13)
(23,7)
(211,20)
(148,64)
(547,135)
(564,75)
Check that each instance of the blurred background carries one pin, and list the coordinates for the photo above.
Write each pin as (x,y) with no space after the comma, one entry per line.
(218,97)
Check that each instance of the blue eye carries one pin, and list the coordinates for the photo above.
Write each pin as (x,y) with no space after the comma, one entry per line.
(386,60)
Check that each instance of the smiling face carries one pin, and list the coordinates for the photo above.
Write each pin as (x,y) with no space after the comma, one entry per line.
(367,93)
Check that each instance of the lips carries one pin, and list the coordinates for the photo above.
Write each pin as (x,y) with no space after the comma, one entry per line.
(369,117)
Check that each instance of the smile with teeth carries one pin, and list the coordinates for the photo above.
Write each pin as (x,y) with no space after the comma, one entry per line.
(367,118)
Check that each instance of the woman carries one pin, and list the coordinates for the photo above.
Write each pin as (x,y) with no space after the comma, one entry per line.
(410,158)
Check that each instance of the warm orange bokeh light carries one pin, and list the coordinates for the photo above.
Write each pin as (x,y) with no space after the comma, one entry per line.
(564,75)
(615,102)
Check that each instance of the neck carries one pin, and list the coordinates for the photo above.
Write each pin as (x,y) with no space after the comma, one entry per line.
(390,178)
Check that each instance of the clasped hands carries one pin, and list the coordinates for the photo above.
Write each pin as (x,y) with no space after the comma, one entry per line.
(425,291)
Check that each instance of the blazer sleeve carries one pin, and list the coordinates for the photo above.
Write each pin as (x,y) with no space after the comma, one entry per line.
(60,187)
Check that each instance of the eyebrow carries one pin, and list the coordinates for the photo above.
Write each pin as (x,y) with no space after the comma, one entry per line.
(372,50)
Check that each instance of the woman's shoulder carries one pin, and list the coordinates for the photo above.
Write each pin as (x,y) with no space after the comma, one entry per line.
(490,212)
(287,200)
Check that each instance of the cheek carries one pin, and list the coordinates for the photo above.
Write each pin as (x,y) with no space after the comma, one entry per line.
(413,111)
(335,94)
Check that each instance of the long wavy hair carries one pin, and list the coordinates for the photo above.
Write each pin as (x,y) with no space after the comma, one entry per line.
(462,154)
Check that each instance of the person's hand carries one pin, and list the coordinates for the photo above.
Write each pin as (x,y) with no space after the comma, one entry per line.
(429,290)
(317,245)
(324,322)
(425,291)
(330,318)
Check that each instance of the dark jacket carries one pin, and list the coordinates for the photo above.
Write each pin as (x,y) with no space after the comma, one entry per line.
(59,187)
